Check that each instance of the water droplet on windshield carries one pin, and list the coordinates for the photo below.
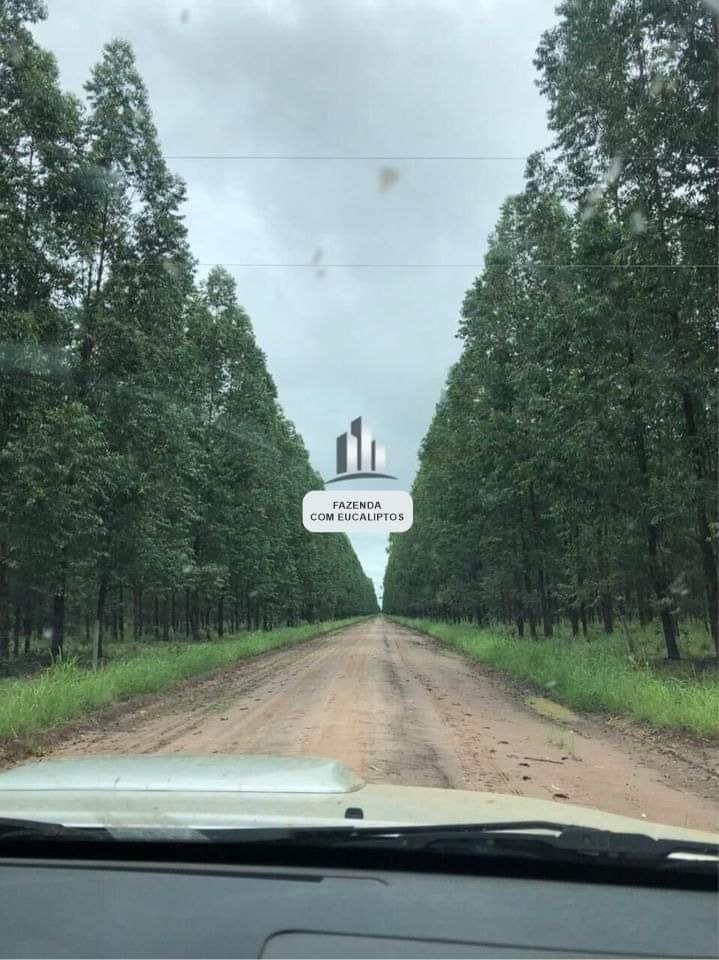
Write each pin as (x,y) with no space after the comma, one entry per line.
(656,86)
(611,174)
(593,198)
(15,54)
(638,221)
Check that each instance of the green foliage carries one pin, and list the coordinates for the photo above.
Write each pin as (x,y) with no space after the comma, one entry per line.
(146,468)
(591,677)
(571,466)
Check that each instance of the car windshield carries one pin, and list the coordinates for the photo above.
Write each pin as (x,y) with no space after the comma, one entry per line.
(358,412)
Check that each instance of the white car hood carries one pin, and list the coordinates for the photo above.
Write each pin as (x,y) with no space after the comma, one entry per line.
(180,792)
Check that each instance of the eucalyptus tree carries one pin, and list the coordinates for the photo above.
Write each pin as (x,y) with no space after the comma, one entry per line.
(39,144)
(633,89)
(143,451)
(584,404)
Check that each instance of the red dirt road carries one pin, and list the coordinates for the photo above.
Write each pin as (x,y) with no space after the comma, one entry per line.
(397,708)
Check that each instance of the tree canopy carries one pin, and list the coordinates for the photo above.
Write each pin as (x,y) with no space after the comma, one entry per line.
(146,467)
(571,465)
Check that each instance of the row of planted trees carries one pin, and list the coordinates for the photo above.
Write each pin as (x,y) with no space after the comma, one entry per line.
(570,469)
(148,478)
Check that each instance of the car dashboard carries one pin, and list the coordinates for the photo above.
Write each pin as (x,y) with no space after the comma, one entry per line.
(73,908)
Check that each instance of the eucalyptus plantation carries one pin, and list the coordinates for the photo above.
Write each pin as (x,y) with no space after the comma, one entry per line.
(149,481)
(571,466)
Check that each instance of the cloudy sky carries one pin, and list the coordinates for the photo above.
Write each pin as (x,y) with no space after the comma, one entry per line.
(353,277)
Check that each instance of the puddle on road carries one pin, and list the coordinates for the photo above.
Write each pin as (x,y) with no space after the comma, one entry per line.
(552,710)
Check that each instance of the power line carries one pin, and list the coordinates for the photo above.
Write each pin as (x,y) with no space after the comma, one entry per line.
(399,266)
(211,156)
(394,158)
(422,266)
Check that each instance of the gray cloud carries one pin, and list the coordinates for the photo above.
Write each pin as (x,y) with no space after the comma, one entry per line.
(378,78)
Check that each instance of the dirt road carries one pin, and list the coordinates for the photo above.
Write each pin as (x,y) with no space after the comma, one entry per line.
(396,707)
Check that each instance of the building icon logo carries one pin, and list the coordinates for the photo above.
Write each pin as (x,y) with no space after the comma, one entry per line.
(358,455)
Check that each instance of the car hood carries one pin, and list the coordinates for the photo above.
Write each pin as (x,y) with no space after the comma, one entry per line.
(183,792)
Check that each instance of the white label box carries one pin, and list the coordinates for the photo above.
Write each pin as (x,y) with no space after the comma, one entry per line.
(356,511)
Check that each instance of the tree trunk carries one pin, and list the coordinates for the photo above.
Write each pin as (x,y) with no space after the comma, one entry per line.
(135,616)
(605,598)
(100,617)
(16,632)
(96,645)
(656,571)
(697,459)
(58,624)
(141,611)
(642,609)
(121,615)
(696,453)
(544,603)
(541,587)
(27,628)
(221,616)
(607,612)
(670,635)
(4,603)
(709,567)
(660,588)
(527,579)
(195,615)
(517,604)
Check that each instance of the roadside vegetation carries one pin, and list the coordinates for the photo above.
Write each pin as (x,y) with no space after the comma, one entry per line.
(602,675)
(68,689)
(569,475)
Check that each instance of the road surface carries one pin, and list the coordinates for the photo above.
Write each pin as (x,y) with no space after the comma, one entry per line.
(398,708)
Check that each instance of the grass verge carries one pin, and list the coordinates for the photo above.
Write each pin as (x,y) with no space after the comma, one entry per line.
(66,690)
(596,676)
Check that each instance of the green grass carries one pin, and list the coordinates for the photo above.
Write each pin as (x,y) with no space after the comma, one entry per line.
(68,690)
(644,643)
(591,676)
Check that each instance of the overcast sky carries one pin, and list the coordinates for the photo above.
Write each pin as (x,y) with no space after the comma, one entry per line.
(351,78)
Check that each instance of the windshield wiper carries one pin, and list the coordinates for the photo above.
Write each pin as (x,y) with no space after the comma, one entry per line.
(528,838)
(19,829)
